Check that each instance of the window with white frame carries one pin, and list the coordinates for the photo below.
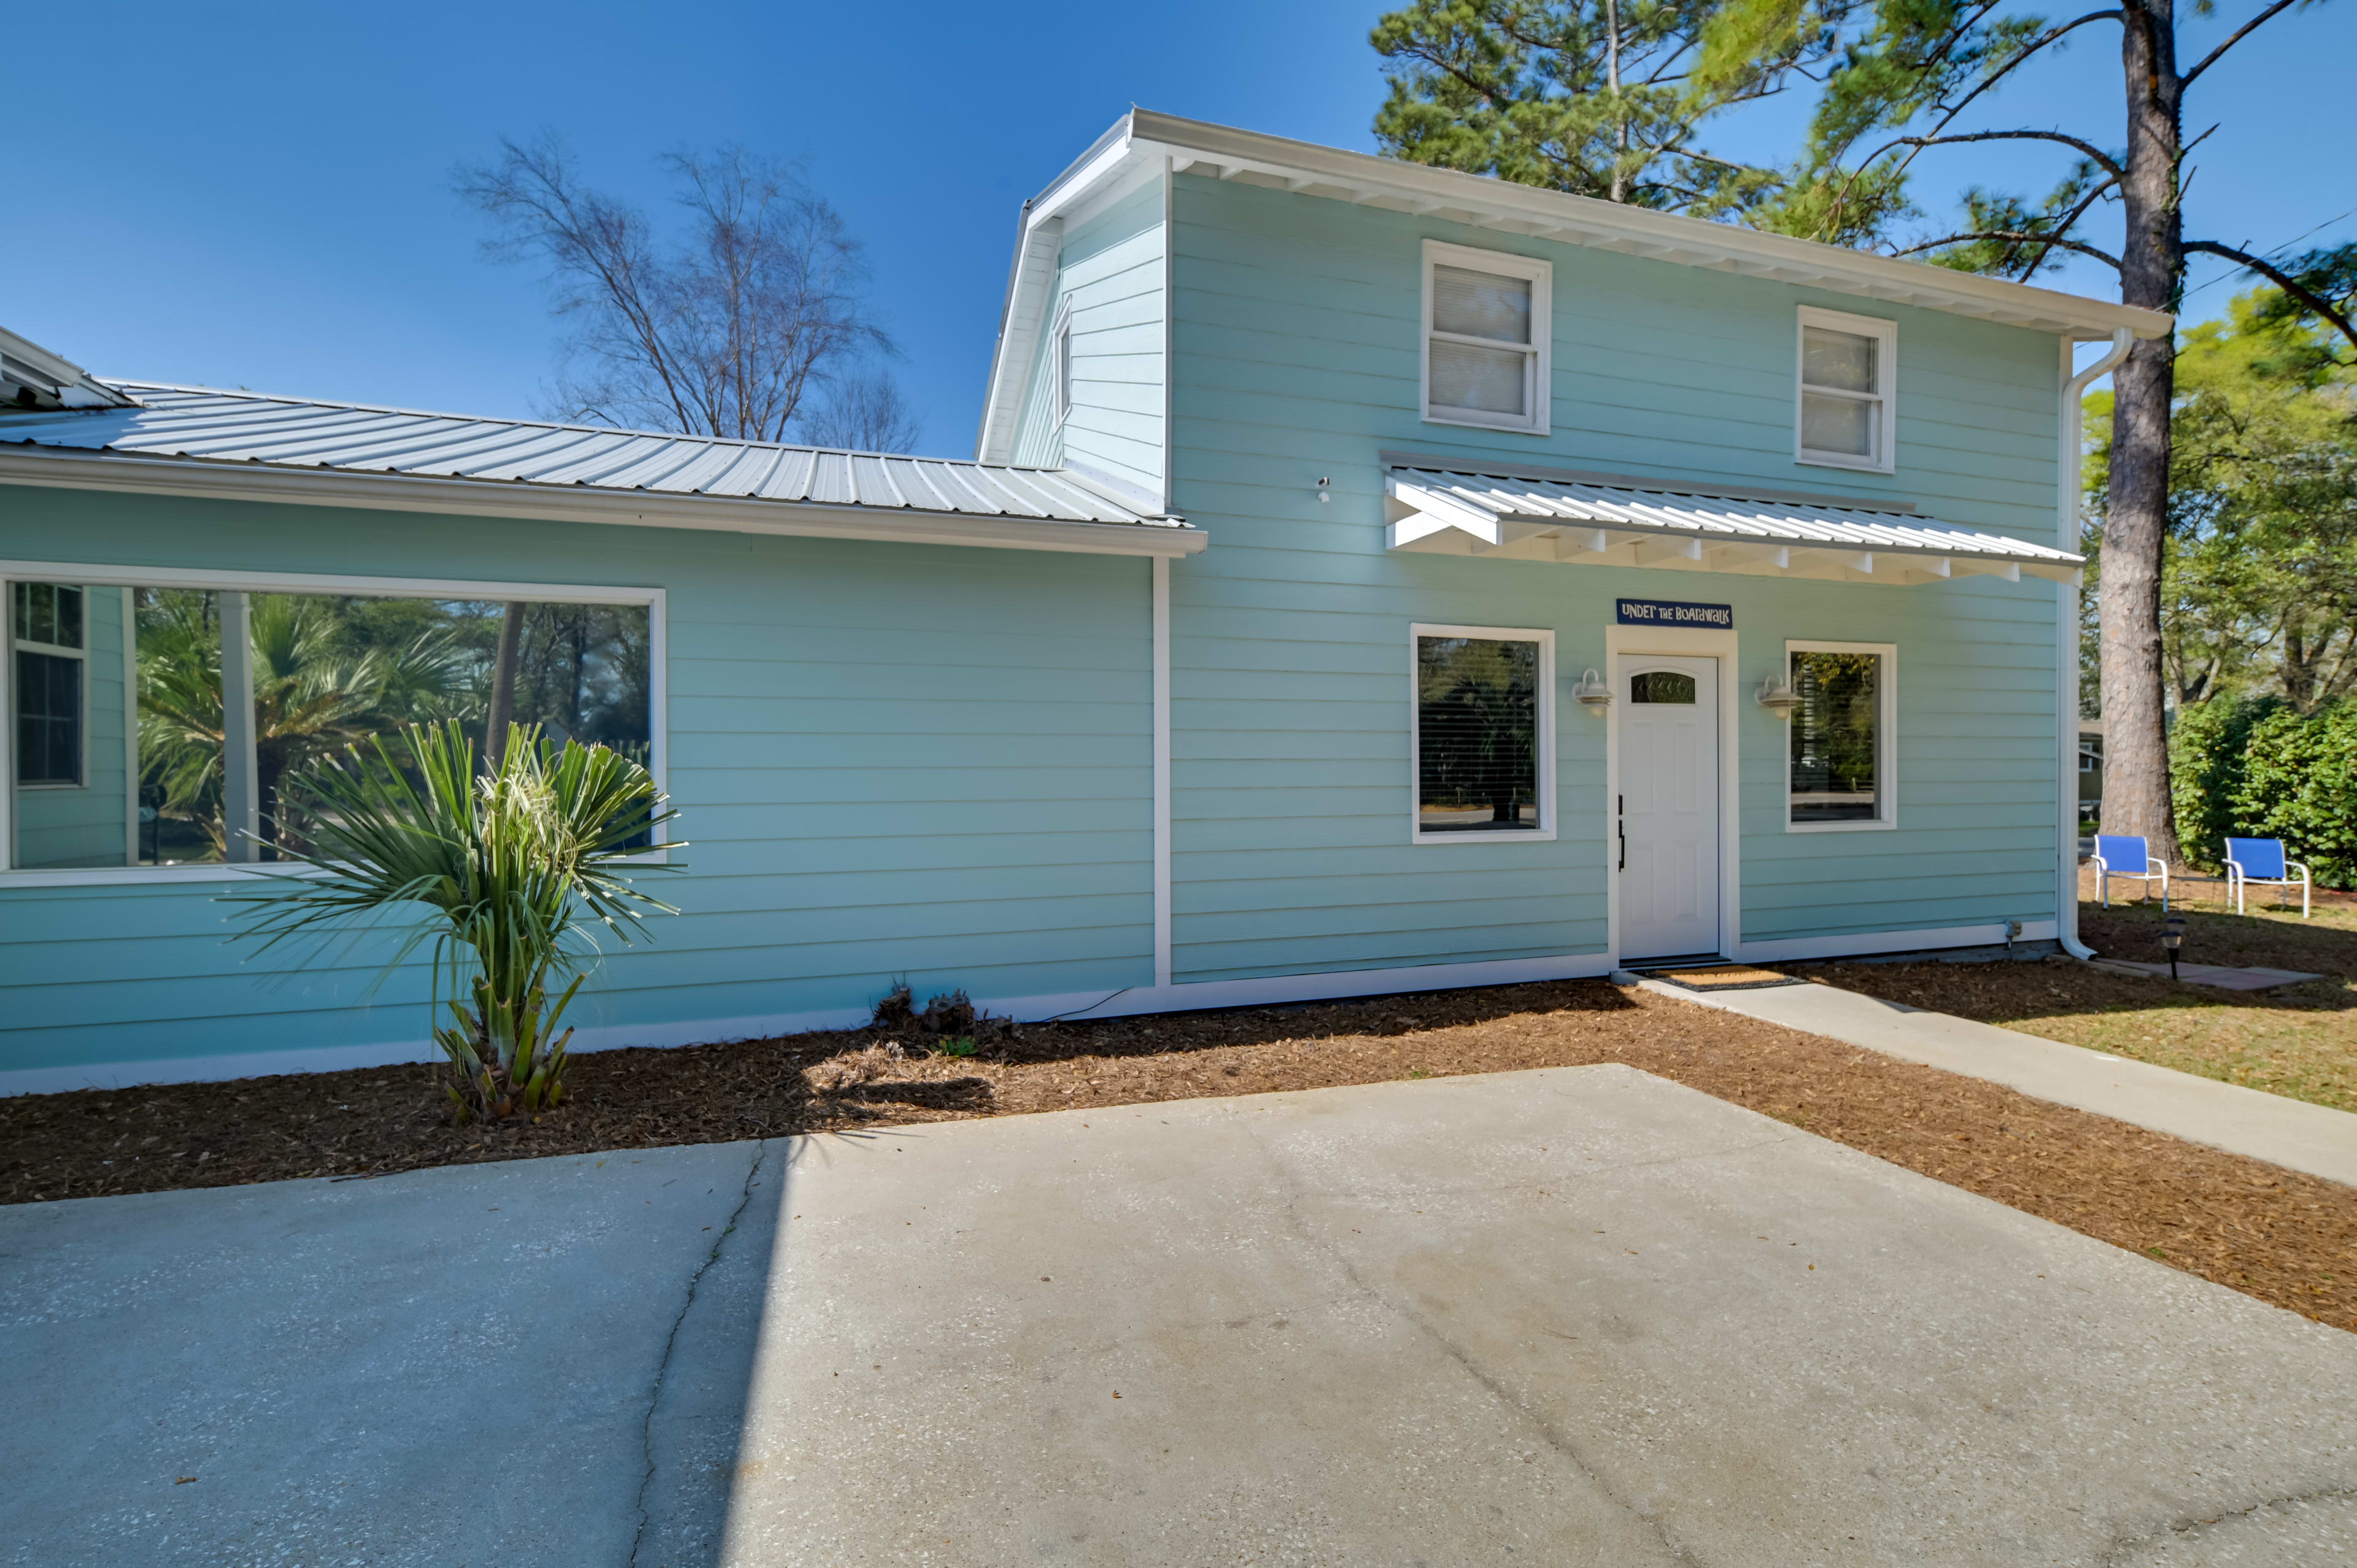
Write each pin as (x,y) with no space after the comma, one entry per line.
(1847,411)
(1841,746)
(223,695)
(46,624)
(1483,719)
(1487,323)
(1060,351)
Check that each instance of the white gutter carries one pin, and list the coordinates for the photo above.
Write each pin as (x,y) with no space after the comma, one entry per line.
(2066,636)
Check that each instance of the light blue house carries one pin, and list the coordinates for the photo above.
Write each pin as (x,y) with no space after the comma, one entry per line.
(1372,579)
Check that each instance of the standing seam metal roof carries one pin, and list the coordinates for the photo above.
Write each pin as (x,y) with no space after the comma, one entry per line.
(209,424)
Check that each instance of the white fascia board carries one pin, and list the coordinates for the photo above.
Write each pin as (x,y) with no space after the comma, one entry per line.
(477,498)
(1584,221)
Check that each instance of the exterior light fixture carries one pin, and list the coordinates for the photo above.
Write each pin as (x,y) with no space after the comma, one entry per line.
(1593,693)
(2172,937)
(1324,489)
(1776,696)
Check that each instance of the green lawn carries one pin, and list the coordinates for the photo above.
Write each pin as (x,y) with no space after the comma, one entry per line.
(2299,1041)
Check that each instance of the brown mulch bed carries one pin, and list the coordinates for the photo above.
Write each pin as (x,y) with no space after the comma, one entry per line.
(2275,1234)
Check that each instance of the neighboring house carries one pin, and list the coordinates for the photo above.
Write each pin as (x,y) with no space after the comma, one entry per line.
(1560,585)
(2091,767)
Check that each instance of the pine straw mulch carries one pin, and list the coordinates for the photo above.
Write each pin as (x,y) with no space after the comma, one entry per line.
(2275,1234)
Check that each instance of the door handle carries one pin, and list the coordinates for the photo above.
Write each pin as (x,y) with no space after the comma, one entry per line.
(1620,828)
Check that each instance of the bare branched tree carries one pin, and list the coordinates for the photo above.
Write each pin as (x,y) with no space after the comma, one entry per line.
(864,412)
(729,333)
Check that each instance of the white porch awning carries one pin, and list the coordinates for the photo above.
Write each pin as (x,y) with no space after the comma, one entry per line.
(1440,513)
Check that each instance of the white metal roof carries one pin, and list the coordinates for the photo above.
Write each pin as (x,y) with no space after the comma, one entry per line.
(1142,140)
(210,426)
(1440,513)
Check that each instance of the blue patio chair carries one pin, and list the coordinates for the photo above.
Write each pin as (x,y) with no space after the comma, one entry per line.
(2261,861)
(2118,855)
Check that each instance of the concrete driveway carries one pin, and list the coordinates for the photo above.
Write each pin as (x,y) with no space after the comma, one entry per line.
(1578,1316)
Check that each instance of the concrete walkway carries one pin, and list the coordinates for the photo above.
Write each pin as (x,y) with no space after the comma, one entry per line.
(2291,1133)
(1573,1316)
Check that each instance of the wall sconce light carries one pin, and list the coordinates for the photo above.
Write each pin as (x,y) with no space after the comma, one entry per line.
(1777,696)
(1593,693)
(1325,486)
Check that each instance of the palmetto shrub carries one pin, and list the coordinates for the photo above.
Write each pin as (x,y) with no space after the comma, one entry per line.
(509,874)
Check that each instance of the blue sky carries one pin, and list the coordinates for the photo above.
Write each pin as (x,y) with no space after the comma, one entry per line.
(258,195)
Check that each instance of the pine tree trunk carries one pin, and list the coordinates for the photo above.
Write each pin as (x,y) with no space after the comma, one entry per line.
(503,685)
(2152,268)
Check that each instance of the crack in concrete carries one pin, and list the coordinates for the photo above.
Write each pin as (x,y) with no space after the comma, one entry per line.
(670,1342)
(2193,1526)
(1558,1440)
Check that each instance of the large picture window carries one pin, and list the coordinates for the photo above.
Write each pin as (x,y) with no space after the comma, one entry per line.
(196,704)
(1484,720)
(1841,744)
(1486,329)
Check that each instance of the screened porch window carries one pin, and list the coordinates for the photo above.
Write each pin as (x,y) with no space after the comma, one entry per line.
(1481,733)
(191,709)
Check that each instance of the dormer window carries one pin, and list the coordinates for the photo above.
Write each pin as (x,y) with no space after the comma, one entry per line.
(1847,411)
(1486,329)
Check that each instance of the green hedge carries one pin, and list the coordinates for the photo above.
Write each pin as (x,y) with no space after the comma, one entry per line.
(2258,769)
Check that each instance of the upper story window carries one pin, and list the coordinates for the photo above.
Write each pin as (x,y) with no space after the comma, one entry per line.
(1848,416)
(1486,329)
(46,621)
(1061,347)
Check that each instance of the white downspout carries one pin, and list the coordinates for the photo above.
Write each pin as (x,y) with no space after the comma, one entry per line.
(2066,638)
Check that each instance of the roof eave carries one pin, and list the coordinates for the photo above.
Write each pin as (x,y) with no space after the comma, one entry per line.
(76,469)
(1525,209)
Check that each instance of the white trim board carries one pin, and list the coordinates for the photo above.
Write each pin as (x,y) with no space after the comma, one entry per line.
(1190,997)
(1862,944)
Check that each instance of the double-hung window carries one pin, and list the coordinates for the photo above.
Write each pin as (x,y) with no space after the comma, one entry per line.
(1483,712)
(1847,414)
(46,624)
(189,707)
(1842,748)
(1485,330)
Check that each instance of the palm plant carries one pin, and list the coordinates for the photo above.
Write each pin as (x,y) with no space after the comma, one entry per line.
(508,872)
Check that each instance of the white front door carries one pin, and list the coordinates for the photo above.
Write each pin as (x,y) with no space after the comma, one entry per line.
(1667,810)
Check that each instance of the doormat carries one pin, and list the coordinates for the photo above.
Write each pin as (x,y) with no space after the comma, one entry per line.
(1722,977)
